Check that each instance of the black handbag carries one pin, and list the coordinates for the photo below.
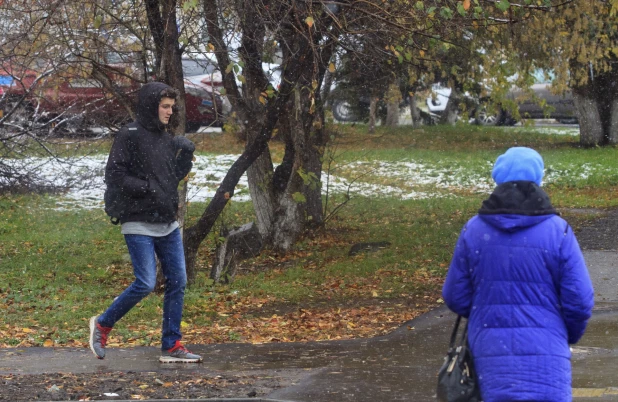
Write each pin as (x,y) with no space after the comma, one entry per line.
(457,380)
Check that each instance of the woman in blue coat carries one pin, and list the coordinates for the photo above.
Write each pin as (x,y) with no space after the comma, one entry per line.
(519,276)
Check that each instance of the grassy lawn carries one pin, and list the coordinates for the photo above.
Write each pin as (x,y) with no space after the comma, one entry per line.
(60,267)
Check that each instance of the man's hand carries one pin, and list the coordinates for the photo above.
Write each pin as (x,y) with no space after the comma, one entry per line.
(183,147)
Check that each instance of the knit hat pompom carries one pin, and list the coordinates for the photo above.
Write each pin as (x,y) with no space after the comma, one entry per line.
(518,164)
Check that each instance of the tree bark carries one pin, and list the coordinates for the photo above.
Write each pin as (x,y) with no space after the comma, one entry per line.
(596,103)
(449,116)
(373,111)
(415,112)
(195,234)
(295,212)
(288,199)
(247,107)
(612,137)
(157,30)
(171,65)
(328,83)
(312,156)
(590,127)
(281,217)
(393,98)
(259,177)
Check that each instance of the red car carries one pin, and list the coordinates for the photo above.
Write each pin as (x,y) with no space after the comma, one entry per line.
(12,88)
(71,100)
(203,100)
(51,97)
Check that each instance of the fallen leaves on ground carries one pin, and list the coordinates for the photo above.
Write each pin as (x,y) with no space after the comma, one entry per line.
(246,323)
(134,386)
(313,324)
(338,307)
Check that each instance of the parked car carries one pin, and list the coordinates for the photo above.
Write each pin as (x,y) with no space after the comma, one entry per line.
(204,104)
(65,99)
(543,104)
(203,74)
(546,105)
(11,89)
(556,106)
(74,100)
(344,111)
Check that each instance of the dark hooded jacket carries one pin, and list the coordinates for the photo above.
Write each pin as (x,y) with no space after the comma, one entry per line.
(145,165)
(519,275)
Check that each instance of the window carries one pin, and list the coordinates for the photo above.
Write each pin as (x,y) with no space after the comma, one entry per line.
(192,67)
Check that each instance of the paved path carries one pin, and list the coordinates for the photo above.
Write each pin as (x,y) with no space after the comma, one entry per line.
(399,367)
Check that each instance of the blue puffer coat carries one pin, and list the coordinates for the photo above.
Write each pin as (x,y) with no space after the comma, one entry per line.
(519,275)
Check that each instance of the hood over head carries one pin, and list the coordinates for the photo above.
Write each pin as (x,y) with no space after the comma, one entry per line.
(148,101)
(518,164)
(515,205)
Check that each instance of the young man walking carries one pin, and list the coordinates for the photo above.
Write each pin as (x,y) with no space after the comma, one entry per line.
(143,171)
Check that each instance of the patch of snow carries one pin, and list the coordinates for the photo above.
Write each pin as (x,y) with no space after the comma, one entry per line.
(572,130)
(83,178)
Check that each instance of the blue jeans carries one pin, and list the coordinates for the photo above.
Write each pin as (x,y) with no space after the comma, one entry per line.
(170,252)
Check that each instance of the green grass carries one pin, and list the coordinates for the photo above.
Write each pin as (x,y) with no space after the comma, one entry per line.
(61,267)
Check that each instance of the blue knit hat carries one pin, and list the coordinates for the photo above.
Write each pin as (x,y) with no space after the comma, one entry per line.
(518,163)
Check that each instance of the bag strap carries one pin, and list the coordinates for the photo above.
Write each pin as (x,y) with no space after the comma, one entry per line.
(457,349)
(463,340)
(464,335)
(454,333)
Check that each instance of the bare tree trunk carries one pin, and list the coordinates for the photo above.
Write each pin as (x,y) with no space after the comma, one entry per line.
(613,126)
(590,127)
(312,157)
(393,99)
(450,112)
(171,65)
(259,177)
(328,82)
(308,139)
(596,103)
(182,205)
(415,112)
(195,234)
(295,64)
(373,110)
(288,199)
